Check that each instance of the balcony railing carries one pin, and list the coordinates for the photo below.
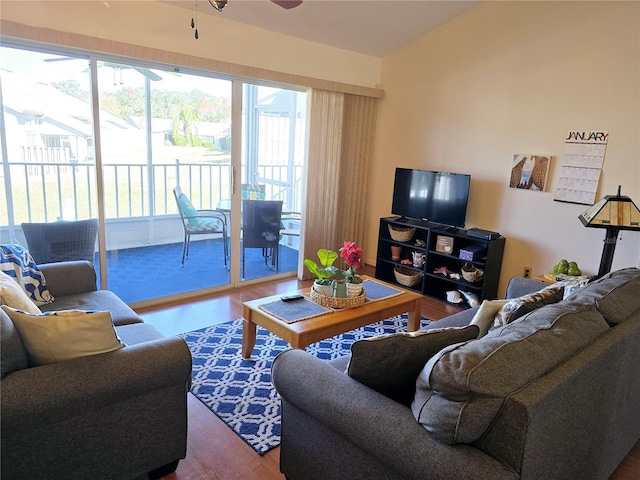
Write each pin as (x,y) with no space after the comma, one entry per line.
(45,191)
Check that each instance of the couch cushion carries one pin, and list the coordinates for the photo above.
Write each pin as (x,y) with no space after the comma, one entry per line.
(615,295)
(14,296)
(121,313)
(462,388)
(12,353)
(391,363)
(520,306)
(62,335)
(135,333)
(16,262)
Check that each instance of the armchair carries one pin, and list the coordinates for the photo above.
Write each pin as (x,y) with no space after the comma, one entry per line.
(61,241)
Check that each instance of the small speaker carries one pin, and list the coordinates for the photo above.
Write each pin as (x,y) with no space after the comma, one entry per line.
(484,234)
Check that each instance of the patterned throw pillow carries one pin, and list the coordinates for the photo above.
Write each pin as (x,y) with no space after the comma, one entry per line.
(520,306)
(63,335)
(16,262)
(485,315)
(390,364)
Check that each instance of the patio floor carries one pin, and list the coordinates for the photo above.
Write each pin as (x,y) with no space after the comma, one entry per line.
(149,272)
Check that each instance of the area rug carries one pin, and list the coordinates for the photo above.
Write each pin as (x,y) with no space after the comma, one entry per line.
(239,391)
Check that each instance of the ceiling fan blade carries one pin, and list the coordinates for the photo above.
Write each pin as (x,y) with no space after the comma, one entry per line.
(287,4)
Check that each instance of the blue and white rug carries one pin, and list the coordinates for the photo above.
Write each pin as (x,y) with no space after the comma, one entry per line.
(239,391)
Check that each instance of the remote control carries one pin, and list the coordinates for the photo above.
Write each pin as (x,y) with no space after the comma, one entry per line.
(290,298)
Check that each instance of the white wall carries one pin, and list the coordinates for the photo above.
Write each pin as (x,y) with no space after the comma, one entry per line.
(508,78)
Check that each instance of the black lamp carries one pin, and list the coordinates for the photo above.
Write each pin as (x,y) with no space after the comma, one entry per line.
(615,213)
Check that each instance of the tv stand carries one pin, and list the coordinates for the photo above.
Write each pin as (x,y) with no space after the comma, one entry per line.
(425,241)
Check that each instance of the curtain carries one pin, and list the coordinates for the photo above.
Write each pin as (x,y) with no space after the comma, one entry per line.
(341,129)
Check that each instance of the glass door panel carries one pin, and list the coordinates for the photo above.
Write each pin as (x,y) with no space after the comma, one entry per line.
(160,131)
(48,164)
(273,139)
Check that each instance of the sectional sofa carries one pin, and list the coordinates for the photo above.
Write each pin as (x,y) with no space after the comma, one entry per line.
(554,394)
(117,415)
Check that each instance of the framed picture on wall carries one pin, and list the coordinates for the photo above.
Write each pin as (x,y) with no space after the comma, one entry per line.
(529,172)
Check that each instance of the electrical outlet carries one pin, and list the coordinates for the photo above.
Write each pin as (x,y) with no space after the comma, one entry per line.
(527,272)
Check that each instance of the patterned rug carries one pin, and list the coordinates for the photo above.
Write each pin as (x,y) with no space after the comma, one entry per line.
(239,391)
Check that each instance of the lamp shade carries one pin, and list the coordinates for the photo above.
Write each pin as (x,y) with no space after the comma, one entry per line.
(617,211)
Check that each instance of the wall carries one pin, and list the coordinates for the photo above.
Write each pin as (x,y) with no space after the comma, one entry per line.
(165,27)
(515,77)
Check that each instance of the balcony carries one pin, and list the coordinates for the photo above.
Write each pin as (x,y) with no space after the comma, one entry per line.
(142,228)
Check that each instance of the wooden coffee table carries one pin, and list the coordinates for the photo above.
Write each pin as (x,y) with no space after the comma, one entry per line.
(304,332)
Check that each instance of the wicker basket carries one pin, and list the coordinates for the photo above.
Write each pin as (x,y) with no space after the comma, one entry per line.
(401,234)
(471,273)
(407,277)
(335,302)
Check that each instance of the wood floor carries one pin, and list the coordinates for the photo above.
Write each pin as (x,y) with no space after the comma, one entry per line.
(214,452)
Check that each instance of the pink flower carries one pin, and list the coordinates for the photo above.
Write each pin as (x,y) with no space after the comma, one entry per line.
(352,254)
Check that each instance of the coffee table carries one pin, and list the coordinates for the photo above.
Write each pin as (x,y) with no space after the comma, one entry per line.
(304,332)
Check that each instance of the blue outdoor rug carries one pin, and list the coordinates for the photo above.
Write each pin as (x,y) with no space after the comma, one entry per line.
(239,391)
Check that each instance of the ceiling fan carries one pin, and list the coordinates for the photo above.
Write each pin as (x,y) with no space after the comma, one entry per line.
(286,4)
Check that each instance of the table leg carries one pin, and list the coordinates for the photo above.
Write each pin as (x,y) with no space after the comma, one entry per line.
(248,337)
(413,323)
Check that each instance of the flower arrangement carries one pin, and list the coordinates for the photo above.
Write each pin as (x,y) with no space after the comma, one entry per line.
(352,255)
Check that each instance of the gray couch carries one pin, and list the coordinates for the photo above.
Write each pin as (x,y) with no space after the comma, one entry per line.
(576,418)
(118,415)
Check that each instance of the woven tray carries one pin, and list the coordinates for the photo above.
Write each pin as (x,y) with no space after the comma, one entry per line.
(334,302)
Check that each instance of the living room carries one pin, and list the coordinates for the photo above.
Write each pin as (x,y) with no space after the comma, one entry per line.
(499,80)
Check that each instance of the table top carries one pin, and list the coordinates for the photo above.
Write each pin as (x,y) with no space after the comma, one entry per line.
(378,308)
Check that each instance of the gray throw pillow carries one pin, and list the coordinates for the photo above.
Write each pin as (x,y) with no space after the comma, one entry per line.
(390,364)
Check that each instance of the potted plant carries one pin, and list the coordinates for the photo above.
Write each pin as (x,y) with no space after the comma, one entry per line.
(352,255)
(325,272)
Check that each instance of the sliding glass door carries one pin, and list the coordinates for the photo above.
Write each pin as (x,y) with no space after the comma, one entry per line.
(273,139)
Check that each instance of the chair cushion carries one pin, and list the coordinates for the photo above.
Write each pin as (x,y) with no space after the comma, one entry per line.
(463,387)
(390,364)
(16,262)
(63,335)
(13,356)
(13,295)
(188,209)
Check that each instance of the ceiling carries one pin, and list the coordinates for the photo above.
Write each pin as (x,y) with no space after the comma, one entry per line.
(371,27)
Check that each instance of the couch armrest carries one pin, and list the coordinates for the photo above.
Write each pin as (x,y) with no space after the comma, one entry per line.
(39,396)
(68,278)
(519,286)
(382,428)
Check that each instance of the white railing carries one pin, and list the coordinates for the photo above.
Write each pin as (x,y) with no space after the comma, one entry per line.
(44,192)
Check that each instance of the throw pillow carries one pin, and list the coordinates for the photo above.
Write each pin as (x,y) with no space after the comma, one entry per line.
(14,296)
(188,209)
(485,315)
(390,364)
(63,335)
(16,262)
(520,306)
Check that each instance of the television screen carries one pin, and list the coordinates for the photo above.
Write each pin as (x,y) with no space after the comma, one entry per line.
(439,197)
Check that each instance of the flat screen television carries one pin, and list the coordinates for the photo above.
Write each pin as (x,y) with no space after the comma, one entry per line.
(439,197)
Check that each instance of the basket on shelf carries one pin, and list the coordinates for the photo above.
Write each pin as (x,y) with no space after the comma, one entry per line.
(472,274)
(336,302)
(406,276)
(400,234)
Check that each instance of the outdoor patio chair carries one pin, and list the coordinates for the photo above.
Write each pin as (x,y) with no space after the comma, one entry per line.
(200,222)
(261,224)
(61,241)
